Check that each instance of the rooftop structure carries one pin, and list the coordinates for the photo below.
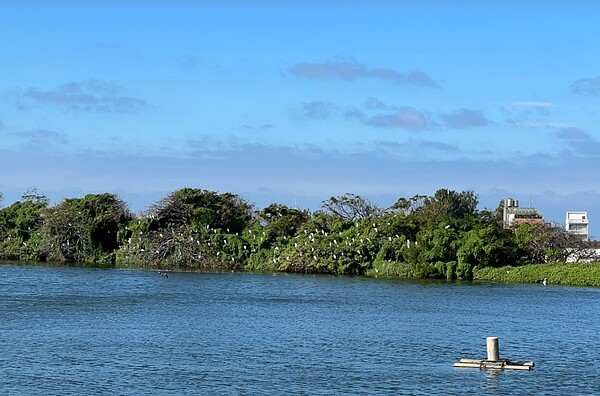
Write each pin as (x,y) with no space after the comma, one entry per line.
(577,223)
(513,215)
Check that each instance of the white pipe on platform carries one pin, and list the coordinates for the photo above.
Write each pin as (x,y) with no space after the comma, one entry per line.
(493,352)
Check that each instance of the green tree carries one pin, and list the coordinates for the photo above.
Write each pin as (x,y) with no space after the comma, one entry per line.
(86,229)
(407,206)
(20,229)
(351,207)
(486,246)
(199,208)
(280,222)
(540,243)
(35,197)
(190,228)
(450,204)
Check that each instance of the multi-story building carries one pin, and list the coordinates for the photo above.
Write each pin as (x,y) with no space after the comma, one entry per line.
(513,215)
(577,223)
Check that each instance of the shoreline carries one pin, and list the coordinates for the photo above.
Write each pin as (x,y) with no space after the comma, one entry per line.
(564,274)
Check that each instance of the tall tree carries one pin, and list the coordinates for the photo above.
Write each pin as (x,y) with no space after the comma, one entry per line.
(450,204)
(86,229)
(200,208)
(20,225)
(351,207)
(280,221)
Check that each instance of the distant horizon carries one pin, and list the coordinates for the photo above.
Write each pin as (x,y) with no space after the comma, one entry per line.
(294,102)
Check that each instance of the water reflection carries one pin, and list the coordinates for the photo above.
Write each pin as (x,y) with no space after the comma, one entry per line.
(492,381)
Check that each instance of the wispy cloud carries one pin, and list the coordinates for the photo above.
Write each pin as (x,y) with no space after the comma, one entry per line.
(376,104)
(110,46)
(350,70)
(423,146)
(409,118)
(525,103)
(543,124)
(586,86)
(440,146)
(403,118)
(317,110)
(465,118)
(42,139)
(88,96)
(255,128)
(579,141)
(573,134)
(189,61)
(206,144)
(530,113)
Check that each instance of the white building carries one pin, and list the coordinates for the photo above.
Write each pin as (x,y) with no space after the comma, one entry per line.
(577,224)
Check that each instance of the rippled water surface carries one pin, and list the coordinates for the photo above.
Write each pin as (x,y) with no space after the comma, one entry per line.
(74,331)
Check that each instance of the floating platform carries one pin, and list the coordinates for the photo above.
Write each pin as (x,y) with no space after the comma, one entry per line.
(493,361)
(484,364)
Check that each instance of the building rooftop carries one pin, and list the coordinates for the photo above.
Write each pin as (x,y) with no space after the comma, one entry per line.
(523,212)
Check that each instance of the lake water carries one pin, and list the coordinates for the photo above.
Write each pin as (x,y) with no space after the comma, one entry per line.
(77,331)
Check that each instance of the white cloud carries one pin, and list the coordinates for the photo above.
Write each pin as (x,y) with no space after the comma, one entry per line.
(465,118)
(350,70)
(87,96)
(42,140)
(586,86)
(317,110)
(579,141)
(545,124)
(531,104)
(403,118)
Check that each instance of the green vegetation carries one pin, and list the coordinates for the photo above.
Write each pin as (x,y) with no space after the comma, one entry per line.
(441,236)
(75,230)
(577,274)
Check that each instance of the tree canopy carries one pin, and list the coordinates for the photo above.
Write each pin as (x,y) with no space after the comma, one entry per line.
(439,236)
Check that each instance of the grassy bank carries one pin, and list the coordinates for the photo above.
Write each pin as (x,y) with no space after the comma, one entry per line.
(558,274)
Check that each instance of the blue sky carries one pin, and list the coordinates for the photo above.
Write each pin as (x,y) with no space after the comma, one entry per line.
(293,102)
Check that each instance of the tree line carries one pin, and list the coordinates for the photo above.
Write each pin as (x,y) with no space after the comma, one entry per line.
(438,236)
